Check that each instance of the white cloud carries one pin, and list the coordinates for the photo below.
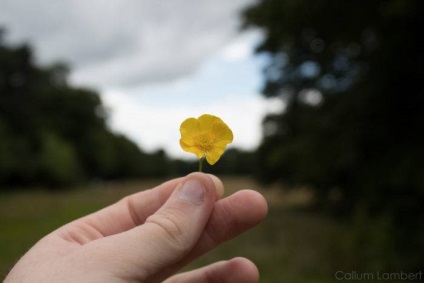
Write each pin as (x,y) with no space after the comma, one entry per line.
(124,42)
(242,48)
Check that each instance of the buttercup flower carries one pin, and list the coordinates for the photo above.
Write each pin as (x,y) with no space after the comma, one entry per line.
(206,136)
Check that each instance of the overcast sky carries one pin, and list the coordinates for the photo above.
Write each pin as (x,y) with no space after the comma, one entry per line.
(154,63)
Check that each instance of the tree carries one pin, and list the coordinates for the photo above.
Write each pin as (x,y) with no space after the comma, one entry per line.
(52,133)
(351,75)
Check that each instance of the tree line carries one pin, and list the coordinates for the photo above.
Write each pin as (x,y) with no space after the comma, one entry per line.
(52,133)
(56,135)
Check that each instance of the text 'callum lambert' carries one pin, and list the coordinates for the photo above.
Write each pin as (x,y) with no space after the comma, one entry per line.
(383,276)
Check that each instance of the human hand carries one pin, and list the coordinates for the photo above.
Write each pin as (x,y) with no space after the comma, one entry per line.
(148,236)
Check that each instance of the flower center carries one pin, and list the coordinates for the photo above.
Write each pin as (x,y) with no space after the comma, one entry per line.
(204,142)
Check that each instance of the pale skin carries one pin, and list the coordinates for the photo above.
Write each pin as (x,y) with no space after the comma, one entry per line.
(148,237)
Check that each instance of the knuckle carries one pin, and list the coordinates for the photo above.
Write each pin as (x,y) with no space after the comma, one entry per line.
(171,228)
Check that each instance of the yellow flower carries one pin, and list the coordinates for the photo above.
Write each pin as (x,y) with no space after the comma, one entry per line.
(206,136)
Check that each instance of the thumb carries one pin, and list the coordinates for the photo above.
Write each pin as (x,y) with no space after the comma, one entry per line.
(168,235)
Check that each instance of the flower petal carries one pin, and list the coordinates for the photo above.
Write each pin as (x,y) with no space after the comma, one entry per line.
(193,149)
(214,155)
(188,130)
(222,132)
(205,122)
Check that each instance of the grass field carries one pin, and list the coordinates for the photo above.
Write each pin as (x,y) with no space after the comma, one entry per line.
(292,245)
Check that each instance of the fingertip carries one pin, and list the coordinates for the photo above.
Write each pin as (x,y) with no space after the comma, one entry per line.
(219,186)
(238,269)
(242,270)
(209,180)
(254,200)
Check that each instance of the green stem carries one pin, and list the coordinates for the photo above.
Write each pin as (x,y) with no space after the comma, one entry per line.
(201,164)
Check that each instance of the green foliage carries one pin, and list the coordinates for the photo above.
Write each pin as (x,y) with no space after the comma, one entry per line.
(235,161)
(350,73)
(58,163)
(54,134)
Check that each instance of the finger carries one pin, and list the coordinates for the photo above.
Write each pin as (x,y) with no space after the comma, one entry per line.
(231,216)
(219,186)
(237,270)
(125,214)
(167,235)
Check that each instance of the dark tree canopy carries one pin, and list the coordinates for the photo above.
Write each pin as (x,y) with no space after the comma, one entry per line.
(54,134)
(351,73)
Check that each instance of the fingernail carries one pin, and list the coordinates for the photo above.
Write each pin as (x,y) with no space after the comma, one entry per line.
(192,191)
